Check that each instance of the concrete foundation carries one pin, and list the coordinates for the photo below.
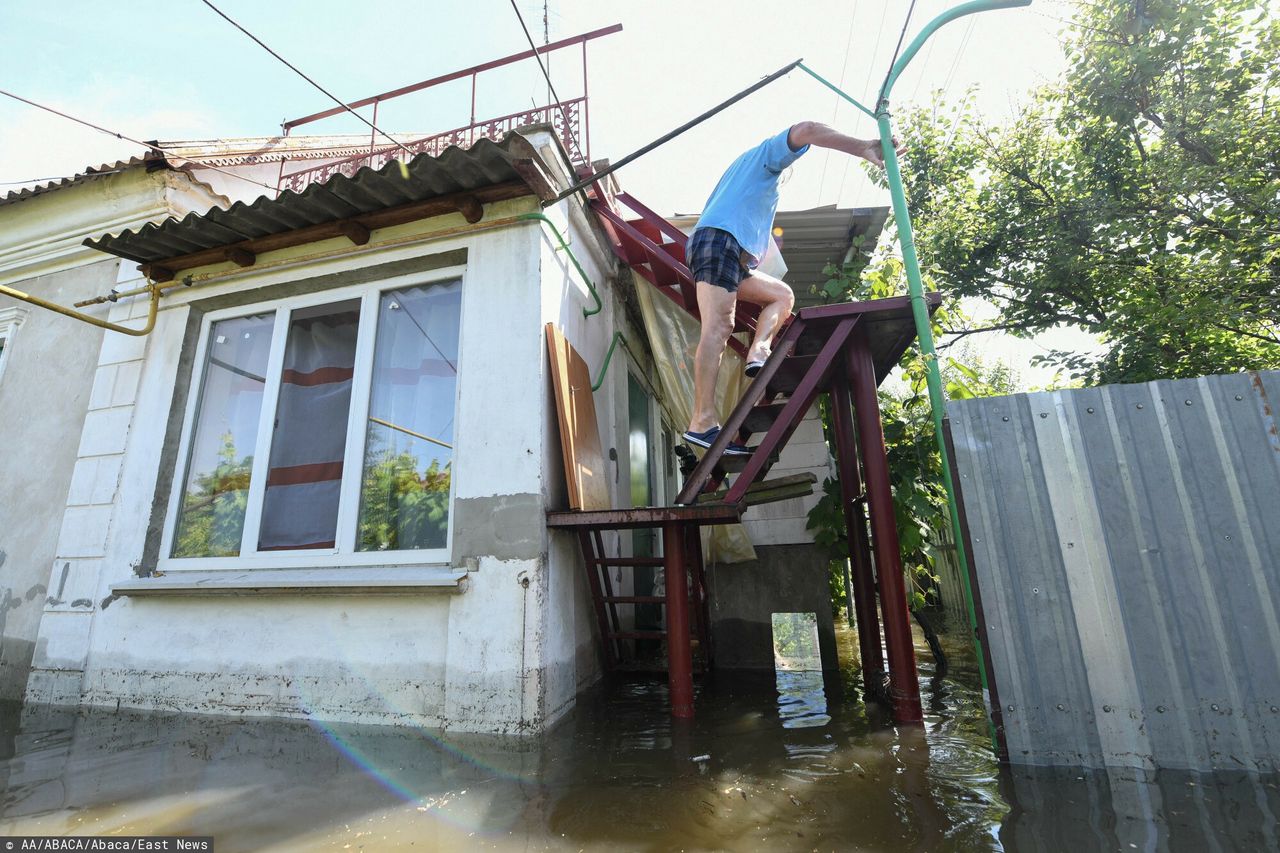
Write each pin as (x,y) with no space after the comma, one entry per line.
(744,597)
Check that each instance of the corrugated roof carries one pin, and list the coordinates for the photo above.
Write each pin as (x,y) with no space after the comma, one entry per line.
(272,149)
(151,161)
(813,238)
(487,171)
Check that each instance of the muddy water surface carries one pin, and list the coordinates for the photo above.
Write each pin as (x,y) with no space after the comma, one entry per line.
(785,762)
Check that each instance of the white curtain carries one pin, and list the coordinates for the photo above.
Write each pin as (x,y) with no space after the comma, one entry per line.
(304,478)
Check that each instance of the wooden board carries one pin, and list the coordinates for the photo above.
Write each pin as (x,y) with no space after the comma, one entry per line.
(585,468)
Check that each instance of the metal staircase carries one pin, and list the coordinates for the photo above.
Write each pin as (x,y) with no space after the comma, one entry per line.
(618,655)
(843,349)
(654,248)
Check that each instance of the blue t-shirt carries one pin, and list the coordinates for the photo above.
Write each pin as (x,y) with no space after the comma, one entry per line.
(745,200)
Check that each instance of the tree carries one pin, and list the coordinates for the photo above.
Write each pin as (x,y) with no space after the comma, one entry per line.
(915,468)
(212,519)
(400,508)
(1138,199)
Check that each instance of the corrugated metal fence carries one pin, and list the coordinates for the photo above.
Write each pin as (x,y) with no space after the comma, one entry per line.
(1126,545)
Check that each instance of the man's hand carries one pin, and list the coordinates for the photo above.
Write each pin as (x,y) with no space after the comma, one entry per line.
(873,153)
(817,133)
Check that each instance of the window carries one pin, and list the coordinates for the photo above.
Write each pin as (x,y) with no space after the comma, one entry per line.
(320,431)
(10,319)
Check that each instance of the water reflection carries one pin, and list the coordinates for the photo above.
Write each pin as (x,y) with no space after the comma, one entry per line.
(619,774)
(802,699)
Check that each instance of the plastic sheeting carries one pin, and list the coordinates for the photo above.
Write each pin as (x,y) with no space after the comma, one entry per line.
(673,337)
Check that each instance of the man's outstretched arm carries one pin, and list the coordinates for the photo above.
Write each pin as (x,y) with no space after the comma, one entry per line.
(819,134)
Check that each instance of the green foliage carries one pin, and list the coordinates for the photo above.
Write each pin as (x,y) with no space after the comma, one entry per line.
(212,519)
(795,636)
(1138,198)
(915,468)
(399,508)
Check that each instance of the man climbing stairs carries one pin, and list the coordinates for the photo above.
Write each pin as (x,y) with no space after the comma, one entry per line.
(843,349)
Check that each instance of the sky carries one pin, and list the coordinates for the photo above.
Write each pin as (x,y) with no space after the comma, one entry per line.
(178,71)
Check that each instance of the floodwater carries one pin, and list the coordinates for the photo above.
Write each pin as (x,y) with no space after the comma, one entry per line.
(778,763)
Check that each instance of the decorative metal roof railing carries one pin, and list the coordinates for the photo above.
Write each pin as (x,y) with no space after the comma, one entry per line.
(570,120)
(569,125)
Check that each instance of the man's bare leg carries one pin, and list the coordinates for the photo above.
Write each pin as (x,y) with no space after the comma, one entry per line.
(716,305)
(775,300)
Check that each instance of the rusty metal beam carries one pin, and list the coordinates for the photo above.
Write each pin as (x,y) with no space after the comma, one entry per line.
(904,684)
(862,588)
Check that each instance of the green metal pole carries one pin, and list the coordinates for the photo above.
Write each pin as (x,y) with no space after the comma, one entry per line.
(919,310)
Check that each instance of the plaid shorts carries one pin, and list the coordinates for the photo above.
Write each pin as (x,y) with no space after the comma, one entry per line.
(715,257)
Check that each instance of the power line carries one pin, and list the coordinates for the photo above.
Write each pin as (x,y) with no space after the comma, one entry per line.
(871,68)
(298,71)
(844,67)
(155,146)
(928,54)
(537,56)
(39,180)
(955,63)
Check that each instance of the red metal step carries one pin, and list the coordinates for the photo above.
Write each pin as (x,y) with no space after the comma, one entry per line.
(612,633)
(654,248)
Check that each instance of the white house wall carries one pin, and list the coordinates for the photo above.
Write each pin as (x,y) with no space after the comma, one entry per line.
(52,388)
(784,522)
(571,639)
(46,387)
(502,654)
(44,234)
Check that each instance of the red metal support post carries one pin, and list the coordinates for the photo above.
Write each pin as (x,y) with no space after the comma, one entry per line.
(904,685)
(679,651)
(863,590)
(701,597)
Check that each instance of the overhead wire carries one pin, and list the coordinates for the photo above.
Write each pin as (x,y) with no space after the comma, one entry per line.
(924,63)
(871,69)
(37,180)
(538,57)
(844,67)
(155,146)
(300,73)
(955,63)
(946,84)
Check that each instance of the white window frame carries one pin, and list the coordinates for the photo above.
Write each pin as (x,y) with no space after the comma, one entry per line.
(11,319)
(343,554)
